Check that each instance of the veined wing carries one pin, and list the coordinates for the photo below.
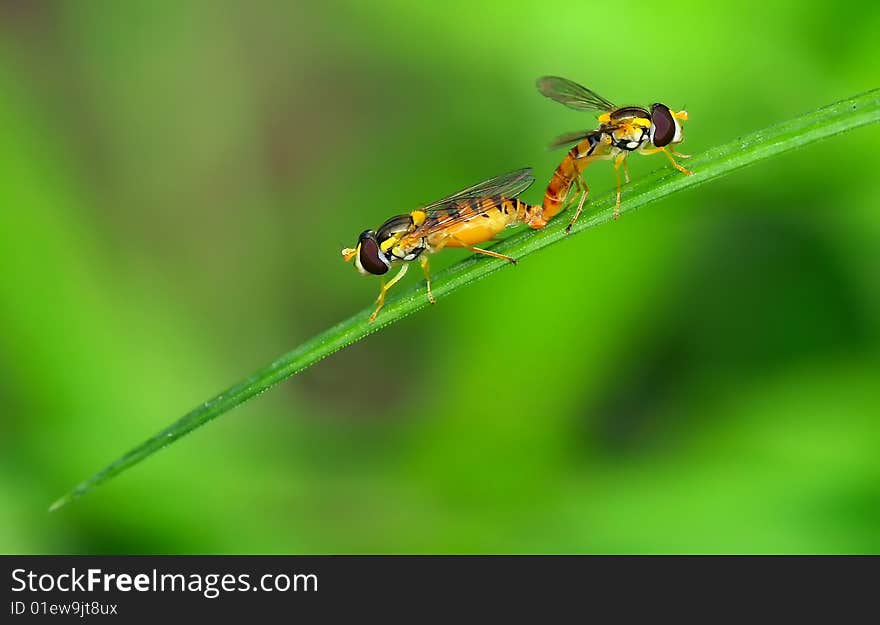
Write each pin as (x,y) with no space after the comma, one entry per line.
(507,185)
(572,137)
(572,95)
(451,209)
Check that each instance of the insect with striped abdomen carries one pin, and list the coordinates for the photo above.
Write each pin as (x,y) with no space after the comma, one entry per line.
(621,130)
(464,219)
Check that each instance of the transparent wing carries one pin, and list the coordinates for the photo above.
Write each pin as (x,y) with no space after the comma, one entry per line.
(572,137)
(466,203)
(572,95)
(507,185)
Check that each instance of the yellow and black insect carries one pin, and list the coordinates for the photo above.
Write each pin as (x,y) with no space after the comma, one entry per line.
(464,219)
(621,131)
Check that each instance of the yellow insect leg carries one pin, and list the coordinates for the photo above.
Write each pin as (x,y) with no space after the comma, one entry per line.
(423,260)
(684,170)
(620,160)
(479,250)
(649,151)
(380,301)
(582,187)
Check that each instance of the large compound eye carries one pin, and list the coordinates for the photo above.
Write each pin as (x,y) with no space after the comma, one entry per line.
(370,258)
(663,125)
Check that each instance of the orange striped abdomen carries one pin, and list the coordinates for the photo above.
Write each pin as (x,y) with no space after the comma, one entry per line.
(487,219)
(577,159)
(560,185)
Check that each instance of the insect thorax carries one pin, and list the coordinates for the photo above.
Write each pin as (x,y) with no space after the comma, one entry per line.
(629,128)
(394,240)
(630,137)
(408,249)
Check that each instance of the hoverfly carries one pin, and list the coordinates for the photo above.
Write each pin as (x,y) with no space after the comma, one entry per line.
(621,131)
(464,219)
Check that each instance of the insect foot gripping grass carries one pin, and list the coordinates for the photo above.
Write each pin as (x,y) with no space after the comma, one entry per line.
(826,122)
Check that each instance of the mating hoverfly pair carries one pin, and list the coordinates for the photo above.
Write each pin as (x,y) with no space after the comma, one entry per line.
(479,213)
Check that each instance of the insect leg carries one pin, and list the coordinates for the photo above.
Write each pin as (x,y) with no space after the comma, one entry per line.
(649,151)
(479,250)
(582,186)
(380,301)
(423,260)
(620,160)
(684,170)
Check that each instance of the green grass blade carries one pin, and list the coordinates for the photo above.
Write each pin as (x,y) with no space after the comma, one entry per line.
(825,122)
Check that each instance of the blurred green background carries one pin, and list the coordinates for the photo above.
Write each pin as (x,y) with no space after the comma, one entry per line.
(176,182)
